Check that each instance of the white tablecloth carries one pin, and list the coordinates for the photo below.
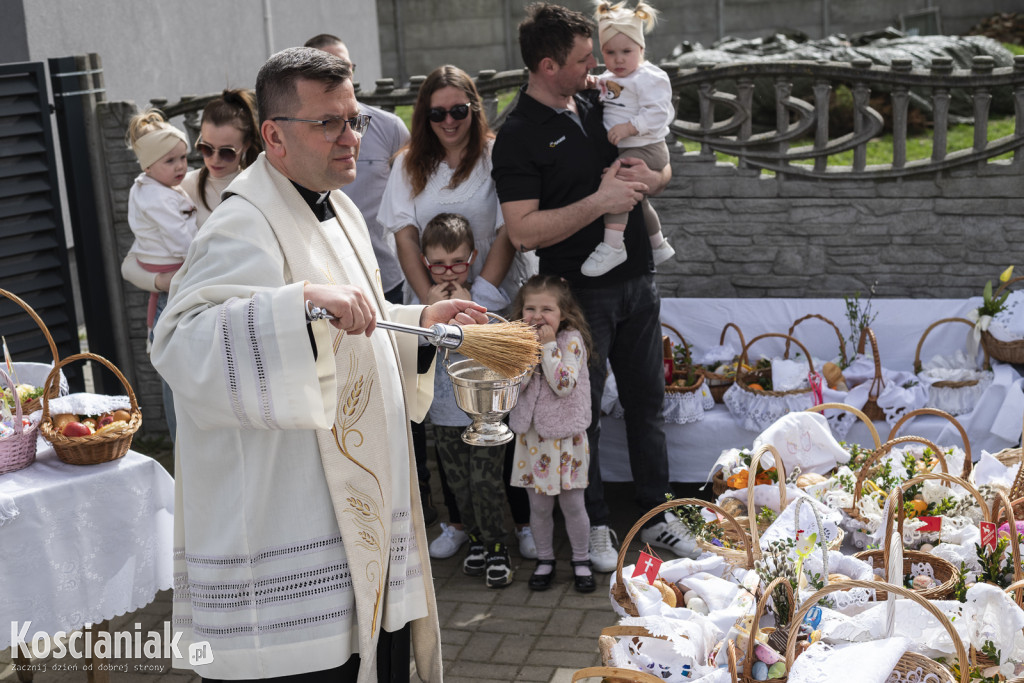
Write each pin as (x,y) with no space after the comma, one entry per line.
(80,544)
(693,448)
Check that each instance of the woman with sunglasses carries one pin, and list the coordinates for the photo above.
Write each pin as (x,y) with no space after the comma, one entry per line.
(446,168)
(229,140)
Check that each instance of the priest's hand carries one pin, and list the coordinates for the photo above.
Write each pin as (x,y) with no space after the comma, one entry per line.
(351,307)
(454,311)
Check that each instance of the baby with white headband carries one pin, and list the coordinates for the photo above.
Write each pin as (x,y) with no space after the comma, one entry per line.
(160,214)
(637,98)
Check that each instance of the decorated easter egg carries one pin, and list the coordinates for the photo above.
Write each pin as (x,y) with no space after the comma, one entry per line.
(815,635)
(777,670)
(766,654)
(759,671)
(1004,528)
(813,617)
(698,605)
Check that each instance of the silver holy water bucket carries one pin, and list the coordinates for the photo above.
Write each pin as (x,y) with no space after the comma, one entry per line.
(487,397)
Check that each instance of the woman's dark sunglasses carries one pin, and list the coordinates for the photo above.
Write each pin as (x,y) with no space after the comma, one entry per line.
(227,154)
(458,112)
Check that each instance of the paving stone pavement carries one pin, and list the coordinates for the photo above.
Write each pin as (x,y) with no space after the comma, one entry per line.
(488,635)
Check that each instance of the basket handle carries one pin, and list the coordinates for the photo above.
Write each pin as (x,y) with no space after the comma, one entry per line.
(744,354)
(1011,518)
(999,290)
(762,602)
(55,373)
(958,644)
(619,589)
(985,365)
(739,333)
(862,474)
(821,532)
(19,427)
(839,335)
(968,458)
(867,334)
(949,479)
(780,469)
(38,321)
(822,407)
(615,673)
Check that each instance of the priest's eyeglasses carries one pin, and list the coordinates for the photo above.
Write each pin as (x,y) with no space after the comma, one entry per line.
(334,127)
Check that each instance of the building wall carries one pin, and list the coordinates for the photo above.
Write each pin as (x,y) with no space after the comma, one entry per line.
(186,47)
(481,35)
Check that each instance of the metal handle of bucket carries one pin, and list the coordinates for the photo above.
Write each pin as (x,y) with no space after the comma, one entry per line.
(448,349)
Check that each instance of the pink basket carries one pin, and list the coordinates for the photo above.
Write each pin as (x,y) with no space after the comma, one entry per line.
(18,450)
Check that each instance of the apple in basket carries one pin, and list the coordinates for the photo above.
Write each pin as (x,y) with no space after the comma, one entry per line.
(76,429)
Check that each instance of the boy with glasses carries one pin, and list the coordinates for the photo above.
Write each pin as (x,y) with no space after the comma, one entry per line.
(474,473)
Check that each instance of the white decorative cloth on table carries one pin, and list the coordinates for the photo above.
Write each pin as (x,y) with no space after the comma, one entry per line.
(682,407)
(872,661)
(804,440)
(88,543)
(1008,324)
(755,412)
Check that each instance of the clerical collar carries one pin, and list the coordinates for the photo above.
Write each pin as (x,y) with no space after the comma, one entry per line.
(317,202)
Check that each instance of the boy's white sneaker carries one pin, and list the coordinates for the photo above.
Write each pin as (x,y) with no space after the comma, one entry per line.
(448,543)
(663,252)
(603,259)
(603,555)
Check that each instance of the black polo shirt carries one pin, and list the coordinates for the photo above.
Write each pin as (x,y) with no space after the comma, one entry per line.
(544,155)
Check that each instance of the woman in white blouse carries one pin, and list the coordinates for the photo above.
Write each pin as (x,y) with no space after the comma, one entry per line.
(446,168)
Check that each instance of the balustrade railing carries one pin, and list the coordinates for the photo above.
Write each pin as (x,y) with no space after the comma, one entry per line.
(799,141)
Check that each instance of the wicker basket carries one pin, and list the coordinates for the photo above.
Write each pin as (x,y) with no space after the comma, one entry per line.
(822,407)
(1008,352)
(945,573)
(744,541)
(965,471)
(871,407)
(744,378)
(947,384)
(681,372)
(18,450)
(839,335)
(93,448)
(872,463)
(718,384)
(910,661)
(618,592)
(38,370)
(613,674)
(746,675)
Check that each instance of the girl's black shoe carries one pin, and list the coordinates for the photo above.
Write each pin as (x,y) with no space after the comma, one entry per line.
(541,582)
(583,584)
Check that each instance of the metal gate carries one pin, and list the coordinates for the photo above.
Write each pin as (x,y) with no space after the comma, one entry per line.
(33,250)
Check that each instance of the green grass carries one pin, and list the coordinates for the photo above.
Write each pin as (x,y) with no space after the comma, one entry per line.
(1015,49)
(879,150)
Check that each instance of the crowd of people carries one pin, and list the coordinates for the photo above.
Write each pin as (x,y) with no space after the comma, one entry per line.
(303,493)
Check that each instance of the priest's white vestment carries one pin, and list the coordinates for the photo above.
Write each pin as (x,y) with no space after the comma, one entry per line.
(298,528)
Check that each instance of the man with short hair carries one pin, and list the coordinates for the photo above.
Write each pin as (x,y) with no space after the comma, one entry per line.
(299,541)
(557,176)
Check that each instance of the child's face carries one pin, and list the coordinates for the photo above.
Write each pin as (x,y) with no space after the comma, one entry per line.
(541,308)
(170,169)
(436,257)
(622,55)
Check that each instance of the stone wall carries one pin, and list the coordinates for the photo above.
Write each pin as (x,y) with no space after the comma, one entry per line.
(738,233)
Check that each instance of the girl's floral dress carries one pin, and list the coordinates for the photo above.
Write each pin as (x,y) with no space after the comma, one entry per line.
(550,465)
